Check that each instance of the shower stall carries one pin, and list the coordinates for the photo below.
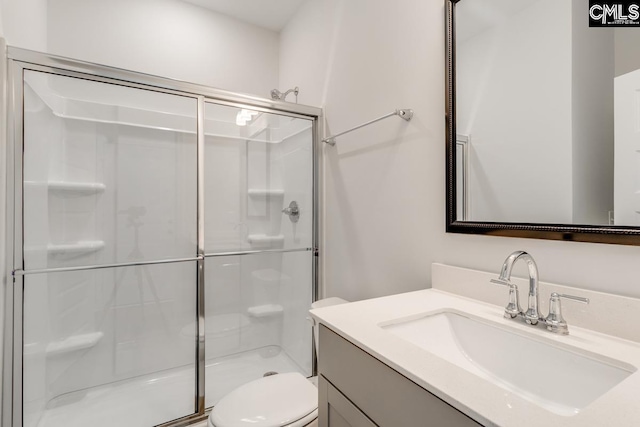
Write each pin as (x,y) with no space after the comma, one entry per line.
(163,242)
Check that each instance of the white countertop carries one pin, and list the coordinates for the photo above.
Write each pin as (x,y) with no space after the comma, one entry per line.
(487,403)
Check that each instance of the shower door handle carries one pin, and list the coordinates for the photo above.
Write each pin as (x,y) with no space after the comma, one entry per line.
(293,211)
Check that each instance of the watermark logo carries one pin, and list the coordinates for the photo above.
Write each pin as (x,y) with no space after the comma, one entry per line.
(614,13)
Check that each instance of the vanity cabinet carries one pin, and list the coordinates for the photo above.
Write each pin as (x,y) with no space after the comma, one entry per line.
(357,390)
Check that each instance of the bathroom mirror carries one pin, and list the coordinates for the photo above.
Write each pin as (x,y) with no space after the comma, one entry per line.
(543,122)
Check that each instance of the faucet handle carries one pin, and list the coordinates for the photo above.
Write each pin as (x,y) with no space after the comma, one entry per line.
(573,297)
(502,282)
(512,309)
(555,322)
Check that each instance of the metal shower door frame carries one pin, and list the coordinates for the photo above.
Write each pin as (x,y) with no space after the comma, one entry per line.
(19,60)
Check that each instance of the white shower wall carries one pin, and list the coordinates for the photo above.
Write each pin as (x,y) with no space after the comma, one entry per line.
(115,182)
(249,170)
(87,330)
(257,302)
(296,154)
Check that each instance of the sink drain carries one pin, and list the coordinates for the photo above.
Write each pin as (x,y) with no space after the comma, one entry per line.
(268,374)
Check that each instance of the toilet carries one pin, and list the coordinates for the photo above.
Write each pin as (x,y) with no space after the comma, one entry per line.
(282,400)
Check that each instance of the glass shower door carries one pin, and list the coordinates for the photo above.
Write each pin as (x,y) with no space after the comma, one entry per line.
(109,254)
(259,261)
(108,264)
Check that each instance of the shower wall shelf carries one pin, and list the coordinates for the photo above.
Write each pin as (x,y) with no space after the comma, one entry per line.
(73,343)
(264,239)
(267,310)
(75,249)
(219,325)
(405,114)
(265,192)
(81,188)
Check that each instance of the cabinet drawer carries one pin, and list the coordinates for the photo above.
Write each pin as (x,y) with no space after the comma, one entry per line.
(388,398)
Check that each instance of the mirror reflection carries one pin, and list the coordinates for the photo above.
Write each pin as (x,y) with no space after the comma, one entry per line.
(547,115)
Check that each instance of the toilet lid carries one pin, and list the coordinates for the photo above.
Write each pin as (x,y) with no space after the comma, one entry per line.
(273,401)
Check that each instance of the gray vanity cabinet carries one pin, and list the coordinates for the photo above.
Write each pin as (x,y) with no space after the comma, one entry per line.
(357,390)
(338,411)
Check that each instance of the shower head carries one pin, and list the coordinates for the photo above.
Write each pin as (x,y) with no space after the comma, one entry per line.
(276,94)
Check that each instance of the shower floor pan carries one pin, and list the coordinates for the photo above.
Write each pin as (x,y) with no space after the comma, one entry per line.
(150,400)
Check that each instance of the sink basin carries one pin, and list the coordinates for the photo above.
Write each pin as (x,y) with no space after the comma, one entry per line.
(556,377)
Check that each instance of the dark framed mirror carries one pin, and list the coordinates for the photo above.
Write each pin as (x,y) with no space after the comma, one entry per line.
(543,122)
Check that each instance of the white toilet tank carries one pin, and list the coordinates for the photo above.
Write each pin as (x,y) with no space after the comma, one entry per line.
(326,302)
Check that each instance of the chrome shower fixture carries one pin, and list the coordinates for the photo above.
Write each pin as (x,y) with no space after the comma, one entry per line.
(276,94)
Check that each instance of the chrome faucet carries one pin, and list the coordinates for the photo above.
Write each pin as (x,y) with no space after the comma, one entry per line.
(532,315)
(554,322)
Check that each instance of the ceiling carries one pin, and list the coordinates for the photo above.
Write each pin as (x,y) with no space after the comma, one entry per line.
(270,14)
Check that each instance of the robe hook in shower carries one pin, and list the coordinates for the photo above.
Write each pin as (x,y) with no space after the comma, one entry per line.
(282,96)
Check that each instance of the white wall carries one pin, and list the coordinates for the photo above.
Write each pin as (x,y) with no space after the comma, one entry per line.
(307,46)
(385,185)
(375,236)
(24,23)
(169,38)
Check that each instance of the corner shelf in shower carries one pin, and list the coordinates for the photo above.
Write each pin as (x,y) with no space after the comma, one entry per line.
(255,192)
(267,310)
(263,240)
(75,249)
(69,187)
(74,343)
